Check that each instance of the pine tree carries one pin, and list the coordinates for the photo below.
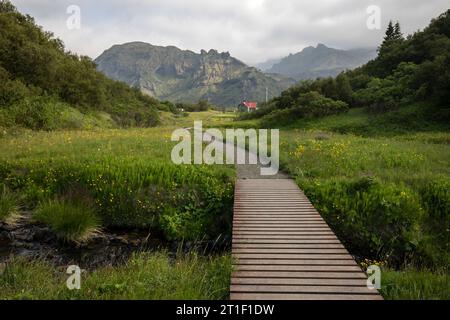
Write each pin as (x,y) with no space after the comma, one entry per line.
(397,32)
(393,36)
(389,32)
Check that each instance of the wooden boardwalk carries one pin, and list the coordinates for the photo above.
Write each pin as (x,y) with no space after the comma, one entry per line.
(283,249)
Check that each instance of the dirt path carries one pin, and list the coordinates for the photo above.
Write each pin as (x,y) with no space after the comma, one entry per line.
(246,171)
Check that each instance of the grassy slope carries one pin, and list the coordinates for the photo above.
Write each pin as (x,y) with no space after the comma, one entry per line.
(407,120)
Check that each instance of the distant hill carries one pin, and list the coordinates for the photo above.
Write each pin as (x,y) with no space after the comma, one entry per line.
(169,73)
(264,66)
(321,61)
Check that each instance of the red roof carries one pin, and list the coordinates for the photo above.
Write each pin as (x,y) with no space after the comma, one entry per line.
(250,105)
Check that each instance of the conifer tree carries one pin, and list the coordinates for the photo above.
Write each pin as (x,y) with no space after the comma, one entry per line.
(397,32)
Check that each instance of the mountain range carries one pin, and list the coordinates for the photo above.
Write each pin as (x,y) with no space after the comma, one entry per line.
(320,61)
(169,73)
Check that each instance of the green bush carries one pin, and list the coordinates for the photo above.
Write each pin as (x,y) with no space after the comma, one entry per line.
(307,105)
(375,220)
(386,94)
(70,221)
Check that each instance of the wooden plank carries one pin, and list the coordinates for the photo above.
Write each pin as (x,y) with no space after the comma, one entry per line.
(300,262)
(281,236)
(292,233)
(252,221)
(280,223)
(297,246)
(303,227)
(285,241)
(292,256)
(275,211)
(271,214)
(316,226)
(296,296)
(290,250)
(300,281)
(299,275)
(271,237)
(272,205)
(300,289)
(281,268)
(239,218)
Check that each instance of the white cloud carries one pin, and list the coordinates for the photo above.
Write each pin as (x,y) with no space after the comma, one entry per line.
(252,30)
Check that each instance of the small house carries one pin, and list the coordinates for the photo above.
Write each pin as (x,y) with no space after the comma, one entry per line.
(248,106)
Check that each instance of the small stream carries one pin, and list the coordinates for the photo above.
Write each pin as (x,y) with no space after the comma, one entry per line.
(112,247)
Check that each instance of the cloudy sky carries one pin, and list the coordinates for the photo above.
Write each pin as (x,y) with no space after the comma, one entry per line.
(251,30)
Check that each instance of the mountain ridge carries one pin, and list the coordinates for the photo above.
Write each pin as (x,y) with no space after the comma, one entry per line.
(170,73)
(321,61)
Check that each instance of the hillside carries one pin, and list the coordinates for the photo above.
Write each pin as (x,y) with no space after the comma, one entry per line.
(169,73)
(321,61)
(42,86)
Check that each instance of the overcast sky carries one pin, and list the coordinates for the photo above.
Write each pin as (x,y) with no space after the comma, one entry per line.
(251,30)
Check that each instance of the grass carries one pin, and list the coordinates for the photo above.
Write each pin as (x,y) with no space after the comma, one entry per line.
(415,285)
(145,276)
(127,175)
(9,207)
(210,118)
(70,221)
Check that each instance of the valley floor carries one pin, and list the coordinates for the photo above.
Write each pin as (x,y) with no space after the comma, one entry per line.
(386,197)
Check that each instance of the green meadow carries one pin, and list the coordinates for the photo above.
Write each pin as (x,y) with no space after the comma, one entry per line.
(385,195)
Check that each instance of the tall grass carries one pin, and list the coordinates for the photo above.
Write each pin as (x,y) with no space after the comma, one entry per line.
(70,221)
(145,276)
(9,206)
(415,285)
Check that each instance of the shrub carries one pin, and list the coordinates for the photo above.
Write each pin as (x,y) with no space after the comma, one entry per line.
(70,221)
(375,220)
(307,105)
